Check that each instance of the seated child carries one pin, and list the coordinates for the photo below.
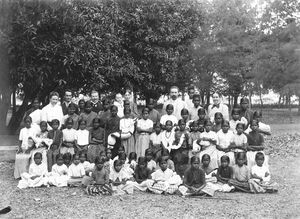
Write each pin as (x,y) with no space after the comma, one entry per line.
(169,116)
(194,136)
(86,165)
(142,174)
(69,134)
(121,150)
(76,172)
(241,174)
(118,179)
(260,177)
(100,176)
(208,170)
(155,141)
(225,139)
(151,164)
(109,156)
(59,174)
(202,117)
(67,159)
(36,177)
(224,174)
(255,144)
(185,117)
(88,115)
(194,180)
(164,180)
(126,166)
(132,158)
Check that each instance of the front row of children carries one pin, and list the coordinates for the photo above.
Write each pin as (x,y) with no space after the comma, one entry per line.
(123,176)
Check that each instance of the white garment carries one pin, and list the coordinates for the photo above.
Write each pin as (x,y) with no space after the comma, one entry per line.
(58,176)
(88,166)
(51,112)
(127,125)
(262,126)
(76,170)
(167,117)
(239,140)
(144,124)
(178,105)
(211,135)
(189,103)
(156,139)
(69,135)
(261,172)
(222,109)
(193,111)
(167,138)
(25,133)
(232,123)
(60,170)
(82,137)
(225,139)
(120,108)
(37,170)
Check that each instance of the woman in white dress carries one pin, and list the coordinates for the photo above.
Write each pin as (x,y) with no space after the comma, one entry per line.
(217,106)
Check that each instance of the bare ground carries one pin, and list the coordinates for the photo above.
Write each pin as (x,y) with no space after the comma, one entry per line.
(72,202)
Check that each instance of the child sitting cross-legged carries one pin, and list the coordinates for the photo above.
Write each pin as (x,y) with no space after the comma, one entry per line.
(194,180)
(59,174)
(164,180)
(100,176)
(76,172)
(260,177)
(36,177)
(118,179)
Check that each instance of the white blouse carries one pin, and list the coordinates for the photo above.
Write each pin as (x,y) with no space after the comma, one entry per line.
(127,125)
(82,137)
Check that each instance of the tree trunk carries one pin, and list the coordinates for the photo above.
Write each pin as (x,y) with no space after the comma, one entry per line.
(207,98)
(235,99)
(4,107)
(279,101)
(14,104)
(299,105)
(250,100)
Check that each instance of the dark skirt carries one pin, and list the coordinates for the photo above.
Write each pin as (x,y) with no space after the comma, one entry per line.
(99,189)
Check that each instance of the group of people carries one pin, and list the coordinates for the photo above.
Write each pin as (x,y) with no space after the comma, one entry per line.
(109,148)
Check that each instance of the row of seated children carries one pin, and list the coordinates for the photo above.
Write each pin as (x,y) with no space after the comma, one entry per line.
(120,176)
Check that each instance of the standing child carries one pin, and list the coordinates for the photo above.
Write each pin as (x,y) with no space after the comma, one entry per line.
(255,144)
(260,177)
(57,136)
(194,136)
(126,131)
(169,116)
(202,116)
(105,114)
(151,164)
(25,146)
(218,120)
(196,106)
(76,172)
(168,137)
(119,178)
(36,177)
(82,138)
(262,127)
(88,115)
(155,141)
(236,118)
(153,113)
(71,114)
(109,157)
(180,152)
(207,142)
(241,174)
(59,173)
(81,104)
(42,142)
(69,134)
(164,180)
(225,139)
(113,125)
(144,129)
(96,141)
(185,117)
(194,180)
(142,174)
(100,176)
(239,142)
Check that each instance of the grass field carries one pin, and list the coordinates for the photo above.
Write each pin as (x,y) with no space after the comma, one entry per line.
(283,148)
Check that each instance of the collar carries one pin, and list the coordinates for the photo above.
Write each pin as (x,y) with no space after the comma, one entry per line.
(216,105)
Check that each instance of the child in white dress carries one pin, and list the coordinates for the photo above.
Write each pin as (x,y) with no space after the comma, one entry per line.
(59,173)
(76,172)
(168,116)
(144,129)
(236,118)
(37,175)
